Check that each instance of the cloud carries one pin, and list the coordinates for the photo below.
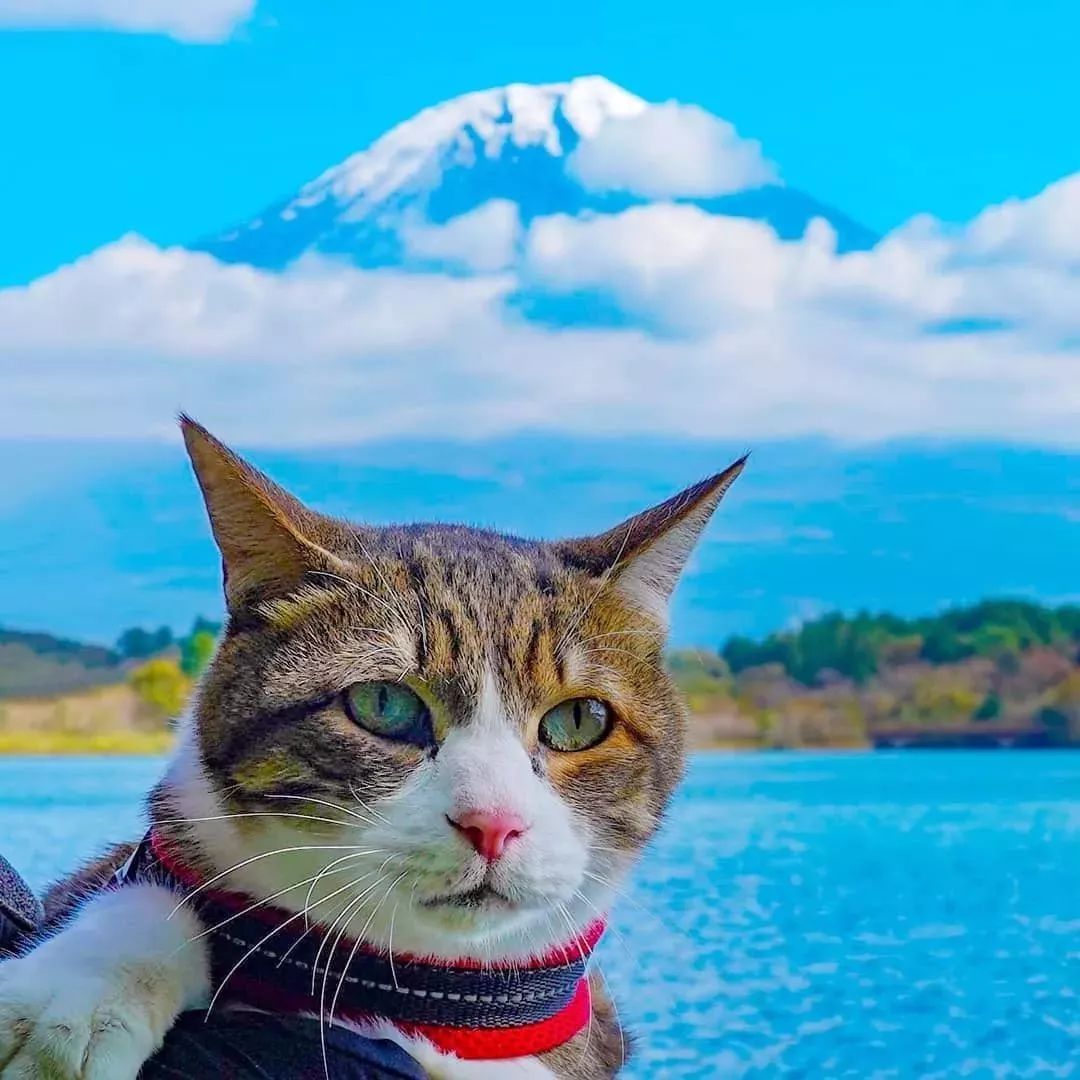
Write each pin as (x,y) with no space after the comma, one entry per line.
(186,20)
(484,240)
(725,331)
(670,151)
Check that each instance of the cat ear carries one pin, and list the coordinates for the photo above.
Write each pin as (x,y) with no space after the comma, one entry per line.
(644,556)
(261,531)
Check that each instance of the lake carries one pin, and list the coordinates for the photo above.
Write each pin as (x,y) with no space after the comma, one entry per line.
(914,914)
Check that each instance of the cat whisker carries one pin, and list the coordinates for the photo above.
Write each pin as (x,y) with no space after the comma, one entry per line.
(256,858)
(323,802)
(370,809)
(357,942)
(390,946)
(561,909)
(310,924)
(259,944)
(255,814)
(615,1009)
(327,870)
(355,902)
(614,649)
(650,633)
(344,971)
(273,896)
(395,606)
(621,895)
(377,872)
(614,931)
(357,587)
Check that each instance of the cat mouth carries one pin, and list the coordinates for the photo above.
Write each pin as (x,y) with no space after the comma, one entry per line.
(483,897)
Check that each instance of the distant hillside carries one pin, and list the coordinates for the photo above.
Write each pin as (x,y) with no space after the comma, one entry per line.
(33,664)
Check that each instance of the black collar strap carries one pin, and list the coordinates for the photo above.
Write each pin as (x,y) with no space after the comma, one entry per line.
(266,958)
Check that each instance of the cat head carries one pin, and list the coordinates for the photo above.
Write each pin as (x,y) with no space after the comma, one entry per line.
(452,741)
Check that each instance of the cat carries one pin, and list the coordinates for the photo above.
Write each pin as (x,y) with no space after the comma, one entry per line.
(477,731)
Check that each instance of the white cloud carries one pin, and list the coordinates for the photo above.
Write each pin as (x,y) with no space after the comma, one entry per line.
(185,20)
(484,240)
(1044,230)
(731,333)
(670,151)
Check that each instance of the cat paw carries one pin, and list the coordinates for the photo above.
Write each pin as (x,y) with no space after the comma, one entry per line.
(69,1024)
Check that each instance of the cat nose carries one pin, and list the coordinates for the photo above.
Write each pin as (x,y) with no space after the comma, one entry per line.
(489,831)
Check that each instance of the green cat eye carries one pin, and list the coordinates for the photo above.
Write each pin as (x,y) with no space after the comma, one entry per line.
(576,724)
(391,710)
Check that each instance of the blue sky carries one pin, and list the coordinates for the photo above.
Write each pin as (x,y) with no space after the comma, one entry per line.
(542,308)
(883,110)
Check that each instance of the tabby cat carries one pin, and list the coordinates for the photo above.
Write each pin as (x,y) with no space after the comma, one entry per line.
(444,745)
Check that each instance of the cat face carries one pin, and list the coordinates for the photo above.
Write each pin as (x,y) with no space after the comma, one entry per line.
(456,741)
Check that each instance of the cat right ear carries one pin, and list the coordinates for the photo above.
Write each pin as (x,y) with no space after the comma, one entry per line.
(262,532)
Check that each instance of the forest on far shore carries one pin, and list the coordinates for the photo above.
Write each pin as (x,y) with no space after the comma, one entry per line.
(999,667)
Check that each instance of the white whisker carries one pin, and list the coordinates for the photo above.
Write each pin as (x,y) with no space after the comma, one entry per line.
(370,809)
(253,859)
(322,802)
(258,813)
(259,944)
(601,585)
(273,896)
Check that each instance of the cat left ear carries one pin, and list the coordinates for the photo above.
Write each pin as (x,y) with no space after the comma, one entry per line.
(267,538)
(645,555)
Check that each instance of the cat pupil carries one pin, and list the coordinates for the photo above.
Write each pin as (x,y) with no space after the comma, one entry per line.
(382,699)
(577,715)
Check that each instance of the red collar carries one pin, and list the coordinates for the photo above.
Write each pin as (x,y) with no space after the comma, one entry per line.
(264,959)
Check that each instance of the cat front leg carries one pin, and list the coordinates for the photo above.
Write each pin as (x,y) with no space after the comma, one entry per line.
(95,1001)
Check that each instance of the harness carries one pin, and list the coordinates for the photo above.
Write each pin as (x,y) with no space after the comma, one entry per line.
(267,958)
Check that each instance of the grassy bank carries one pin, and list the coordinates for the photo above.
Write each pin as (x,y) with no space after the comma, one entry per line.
(100,720)
(105,742)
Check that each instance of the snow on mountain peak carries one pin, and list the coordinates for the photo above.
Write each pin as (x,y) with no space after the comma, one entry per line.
(577,147)
(481,122)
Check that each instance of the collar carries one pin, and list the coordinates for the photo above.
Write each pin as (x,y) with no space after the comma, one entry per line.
(266,958)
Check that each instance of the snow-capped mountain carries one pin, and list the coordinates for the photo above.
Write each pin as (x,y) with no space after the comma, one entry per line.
(508,146)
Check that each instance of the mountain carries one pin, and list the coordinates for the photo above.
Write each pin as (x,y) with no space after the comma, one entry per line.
(37,663)
(509,144)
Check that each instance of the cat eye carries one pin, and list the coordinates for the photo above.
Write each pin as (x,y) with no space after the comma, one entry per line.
(391,710)
(576,725)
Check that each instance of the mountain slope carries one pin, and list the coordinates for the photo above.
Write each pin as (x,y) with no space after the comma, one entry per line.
(510,144)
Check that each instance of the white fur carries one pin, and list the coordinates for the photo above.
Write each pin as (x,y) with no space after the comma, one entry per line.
(96,1001)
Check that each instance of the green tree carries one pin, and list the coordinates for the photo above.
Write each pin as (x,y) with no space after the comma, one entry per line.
(139,644)
(160,684)
(990,709)
(195,653)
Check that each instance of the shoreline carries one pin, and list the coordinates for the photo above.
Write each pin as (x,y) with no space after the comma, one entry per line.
(158,743)
(99,744)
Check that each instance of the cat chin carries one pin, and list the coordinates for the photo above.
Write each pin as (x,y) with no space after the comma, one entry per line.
(482,921)
(450,934)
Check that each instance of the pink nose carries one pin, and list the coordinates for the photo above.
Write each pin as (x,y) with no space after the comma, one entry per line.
(489,831)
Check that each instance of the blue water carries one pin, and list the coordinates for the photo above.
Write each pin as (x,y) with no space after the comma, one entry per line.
(864,915)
